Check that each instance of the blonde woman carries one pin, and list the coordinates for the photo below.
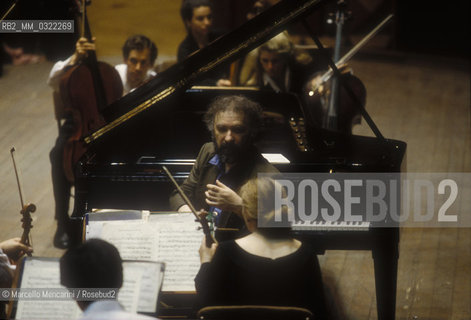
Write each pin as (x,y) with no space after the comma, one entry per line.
(266,267)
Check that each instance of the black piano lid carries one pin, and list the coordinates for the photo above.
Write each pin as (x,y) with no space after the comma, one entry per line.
(160,117)
(179,132)
(159,91)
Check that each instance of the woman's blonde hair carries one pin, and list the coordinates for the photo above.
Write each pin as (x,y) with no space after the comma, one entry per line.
(279,44)
(258,203)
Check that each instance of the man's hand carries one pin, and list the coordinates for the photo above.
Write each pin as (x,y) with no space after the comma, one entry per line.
(223,83)
(223,197)
(13,248)
(206,254)
(82,47)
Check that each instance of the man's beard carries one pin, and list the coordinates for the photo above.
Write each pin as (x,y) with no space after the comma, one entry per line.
(230,152)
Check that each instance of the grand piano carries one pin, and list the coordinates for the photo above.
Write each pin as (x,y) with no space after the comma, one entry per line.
(160,124)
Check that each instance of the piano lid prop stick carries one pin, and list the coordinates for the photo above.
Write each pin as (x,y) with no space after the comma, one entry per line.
(204,224)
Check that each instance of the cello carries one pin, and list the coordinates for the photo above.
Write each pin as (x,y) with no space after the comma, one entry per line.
(85,90)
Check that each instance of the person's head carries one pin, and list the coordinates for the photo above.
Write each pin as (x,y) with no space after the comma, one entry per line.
(139,54)
(197,16)
(274,55)
(93,264)
(258,207)
(259,6)
(234,122)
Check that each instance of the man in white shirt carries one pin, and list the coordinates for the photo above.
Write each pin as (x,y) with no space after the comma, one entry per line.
(139,55)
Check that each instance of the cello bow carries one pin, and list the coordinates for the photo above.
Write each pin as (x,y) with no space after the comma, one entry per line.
(204,224)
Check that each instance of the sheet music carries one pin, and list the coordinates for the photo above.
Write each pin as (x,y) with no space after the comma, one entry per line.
(129,294)
(100,216)
(178,243)
(141,286)
(44,274)
(172,238)
(45,310)
(135,240)
(146,278)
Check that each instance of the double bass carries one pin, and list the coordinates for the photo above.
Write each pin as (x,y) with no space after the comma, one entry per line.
(330,105)
(85,90)
(337,107)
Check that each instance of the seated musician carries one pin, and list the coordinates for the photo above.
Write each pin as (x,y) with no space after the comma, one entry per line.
(96,264)
(226,163)
(245,68)
(139,54)
(248,69)
(279,68)
(9,250)
(13,248)
(197,18)
(266,267)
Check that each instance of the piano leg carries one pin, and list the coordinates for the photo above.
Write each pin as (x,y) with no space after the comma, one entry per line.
(385,257)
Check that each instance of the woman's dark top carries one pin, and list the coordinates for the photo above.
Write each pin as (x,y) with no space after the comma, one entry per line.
(236,277)
(188,46)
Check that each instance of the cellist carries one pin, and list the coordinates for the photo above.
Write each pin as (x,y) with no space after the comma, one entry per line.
(9,249)
(280,68)
(12,248)
(139,55)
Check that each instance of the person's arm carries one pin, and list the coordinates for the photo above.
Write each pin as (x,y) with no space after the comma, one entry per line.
(221,196)
(203,277)
(82,46)
(206,254)
(56,73)
(210,281)
(13,248)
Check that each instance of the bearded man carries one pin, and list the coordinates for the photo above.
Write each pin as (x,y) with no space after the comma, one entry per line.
(226,163)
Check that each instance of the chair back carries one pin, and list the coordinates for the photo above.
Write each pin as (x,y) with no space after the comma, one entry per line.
(254,312)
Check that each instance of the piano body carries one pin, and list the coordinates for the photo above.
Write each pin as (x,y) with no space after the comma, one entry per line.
(160,124)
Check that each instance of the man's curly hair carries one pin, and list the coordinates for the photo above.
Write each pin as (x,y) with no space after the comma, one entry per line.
(251,110)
